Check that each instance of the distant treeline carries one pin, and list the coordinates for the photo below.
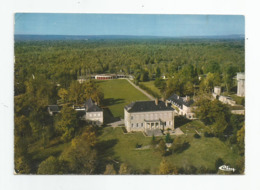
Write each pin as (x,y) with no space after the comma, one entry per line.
(62,61)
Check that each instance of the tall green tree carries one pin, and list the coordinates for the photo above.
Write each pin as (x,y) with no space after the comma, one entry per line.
(52,165)
(241,139)
(76,93)
(228,75)
(211,111)
(67,123)
(63,94)
(81,155)
(167,168)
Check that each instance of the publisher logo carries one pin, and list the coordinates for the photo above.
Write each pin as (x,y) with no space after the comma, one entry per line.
(226,168)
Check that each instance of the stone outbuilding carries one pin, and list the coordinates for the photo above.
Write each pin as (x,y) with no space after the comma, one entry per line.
(94,114)
(241,84)
(183,105)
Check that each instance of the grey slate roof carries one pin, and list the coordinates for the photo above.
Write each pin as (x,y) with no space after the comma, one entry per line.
(146,106)
(91,106)
(180,101)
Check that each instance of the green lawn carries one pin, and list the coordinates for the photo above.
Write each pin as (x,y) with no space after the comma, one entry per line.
(124,149)
(202,152)
(193,127)
(118,93)
(150,84)
(238,99)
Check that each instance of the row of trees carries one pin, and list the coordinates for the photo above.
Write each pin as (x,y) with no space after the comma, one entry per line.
(188,80)
(78,93)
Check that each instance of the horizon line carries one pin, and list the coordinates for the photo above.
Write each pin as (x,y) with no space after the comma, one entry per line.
(126,35)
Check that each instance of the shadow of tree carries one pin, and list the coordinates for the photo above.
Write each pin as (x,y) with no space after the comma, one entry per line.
(108,116)
(112,101)
(180,120)
(105,154)
(182,147)
(35,162)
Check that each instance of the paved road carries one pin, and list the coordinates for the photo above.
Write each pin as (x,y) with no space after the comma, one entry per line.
(141,90)
(117,123)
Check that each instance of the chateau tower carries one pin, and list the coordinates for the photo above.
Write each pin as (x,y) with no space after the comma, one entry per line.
(241,84)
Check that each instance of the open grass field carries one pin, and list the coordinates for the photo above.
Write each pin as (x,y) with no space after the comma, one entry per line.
(124,149)
(195,126)
(150,84)
(119,93)
(201,152)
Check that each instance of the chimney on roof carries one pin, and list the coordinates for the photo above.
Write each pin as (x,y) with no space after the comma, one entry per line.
(187,98)
(166,103)
(156,101)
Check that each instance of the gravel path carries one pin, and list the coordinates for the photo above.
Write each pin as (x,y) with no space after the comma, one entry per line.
(117,123)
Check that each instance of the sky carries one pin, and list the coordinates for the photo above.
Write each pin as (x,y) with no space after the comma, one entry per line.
(128,24)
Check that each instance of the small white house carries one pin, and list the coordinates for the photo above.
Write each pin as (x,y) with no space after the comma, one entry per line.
(94,114)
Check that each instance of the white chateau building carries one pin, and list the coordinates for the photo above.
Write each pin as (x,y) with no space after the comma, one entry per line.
(148,116)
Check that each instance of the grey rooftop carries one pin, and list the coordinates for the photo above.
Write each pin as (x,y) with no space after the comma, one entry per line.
(146,106)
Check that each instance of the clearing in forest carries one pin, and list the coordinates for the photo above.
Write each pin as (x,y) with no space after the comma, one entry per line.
(117,94)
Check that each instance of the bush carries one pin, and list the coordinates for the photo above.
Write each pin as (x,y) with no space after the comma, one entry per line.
(162,147)
(53,165)
(197,136)
(168,138)
(219,162)
(153,141)
(207,134)
(233,139)
(179,145)
(138,145)
(222,137)
(124,129)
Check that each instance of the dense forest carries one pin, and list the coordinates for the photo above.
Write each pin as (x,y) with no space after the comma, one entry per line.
(62,61)
(45,71)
